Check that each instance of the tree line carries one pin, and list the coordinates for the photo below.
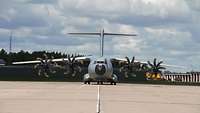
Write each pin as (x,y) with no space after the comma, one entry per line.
(26,56)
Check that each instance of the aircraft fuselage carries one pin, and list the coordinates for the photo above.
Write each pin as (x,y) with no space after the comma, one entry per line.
(100,70)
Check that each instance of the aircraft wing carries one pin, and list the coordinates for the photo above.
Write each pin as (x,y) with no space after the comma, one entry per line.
(26,62)
(53,60)
(125,60)
(175,66)
(143,62)
(65,59)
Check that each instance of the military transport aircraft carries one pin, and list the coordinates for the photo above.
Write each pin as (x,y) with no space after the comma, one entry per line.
(100,69)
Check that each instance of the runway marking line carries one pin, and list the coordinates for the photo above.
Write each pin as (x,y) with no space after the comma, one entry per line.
(98,100)
(82,86)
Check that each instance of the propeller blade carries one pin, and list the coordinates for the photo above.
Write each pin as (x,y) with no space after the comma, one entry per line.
(73,59)
(128,60)
(133,59)
(69,58)
(45,56)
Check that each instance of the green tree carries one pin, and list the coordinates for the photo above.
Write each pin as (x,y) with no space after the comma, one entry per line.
(155,67)
(3,54)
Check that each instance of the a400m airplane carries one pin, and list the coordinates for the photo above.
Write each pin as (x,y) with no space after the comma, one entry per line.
(100,69)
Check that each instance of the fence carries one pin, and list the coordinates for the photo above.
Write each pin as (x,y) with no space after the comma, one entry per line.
(183,77)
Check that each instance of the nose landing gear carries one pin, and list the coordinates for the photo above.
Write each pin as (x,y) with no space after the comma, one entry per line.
(86,82)
(100,82)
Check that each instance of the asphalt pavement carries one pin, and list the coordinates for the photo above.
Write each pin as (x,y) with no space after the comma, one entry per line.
(75,97)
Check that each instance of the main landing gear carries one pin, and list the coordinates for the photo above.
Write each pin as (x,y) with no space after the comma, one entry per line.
(113,83)
(100,82)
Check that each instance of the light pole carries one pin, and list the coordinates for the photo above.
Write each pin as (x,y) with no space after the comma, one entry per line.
(10,42)
(10,48)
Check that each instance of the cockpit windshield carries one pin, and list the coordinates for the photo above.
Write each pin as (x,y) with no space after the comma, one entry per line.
(101,62)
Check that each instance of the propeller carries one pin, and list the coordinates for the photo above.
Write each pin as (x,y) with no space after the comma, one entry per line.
(130,66)
(71,65)
(46,66)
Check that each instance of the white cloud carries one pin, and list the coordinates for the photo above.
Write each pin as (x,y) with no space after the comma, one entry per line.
(126,45)
(113,9)
(22,32)
(194,4)
(7,14)
(4,31)
(170,37)
(166,29)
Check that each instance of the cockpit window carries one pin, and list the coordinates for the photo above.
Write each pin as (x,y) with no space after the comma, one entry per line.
(101,62)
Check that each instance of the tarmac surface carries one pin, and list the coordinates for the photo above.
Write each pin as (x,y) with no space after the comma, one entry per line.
(69,97)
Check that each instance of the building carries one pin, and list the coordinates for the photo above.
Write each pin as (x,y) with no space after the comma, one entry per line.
(2,62)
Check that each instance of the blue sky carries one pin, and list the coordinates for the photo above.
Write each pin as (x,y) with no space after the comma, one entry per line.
(167,30)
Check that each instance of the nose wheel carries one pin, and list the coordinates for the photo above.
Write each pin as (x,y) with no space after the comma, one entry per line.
(100,82)
(87,82)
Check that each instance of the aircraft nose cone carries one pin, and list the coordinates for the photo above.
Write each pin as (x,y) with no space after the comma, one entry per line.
(100,69)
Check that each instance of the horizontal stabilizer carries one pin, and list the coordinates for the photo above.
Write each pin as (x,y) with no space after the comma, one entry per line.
(102,34)
(84,33)
(120,34)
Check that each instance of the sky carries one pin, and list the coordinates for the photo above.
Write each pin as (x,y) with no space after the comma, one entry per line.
(167,30)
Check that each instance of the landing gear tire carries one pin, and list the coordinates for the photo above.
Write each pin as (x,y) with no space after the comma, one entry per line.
(101,82)
(87,82)
(113,83)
